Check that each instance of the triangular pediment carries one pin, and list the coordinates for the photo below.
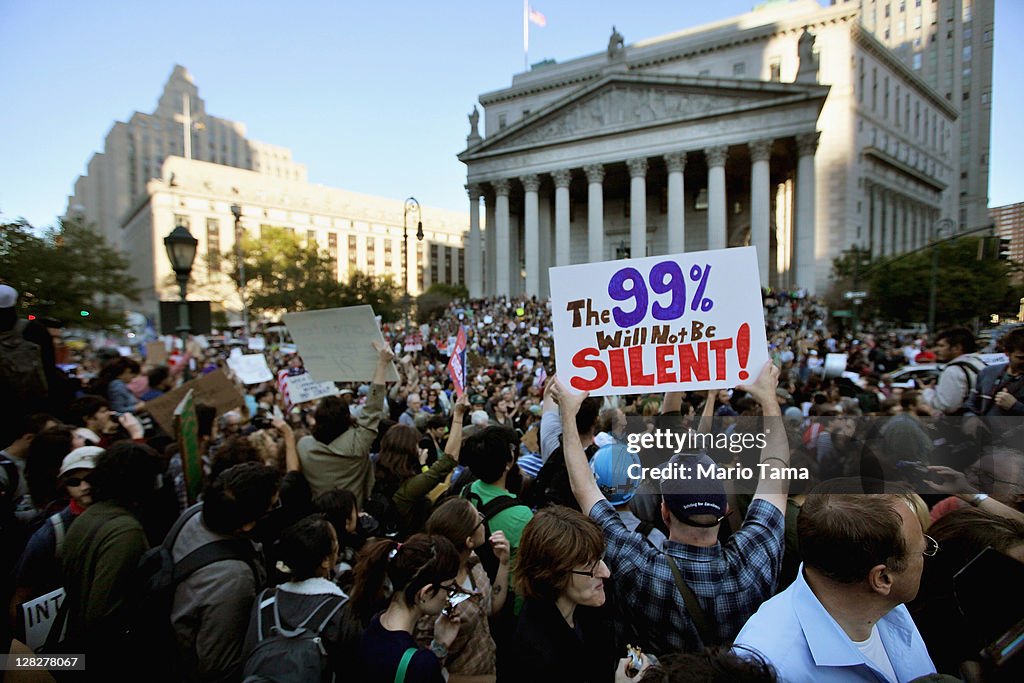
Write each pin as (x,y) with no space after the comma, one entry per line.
(621,103)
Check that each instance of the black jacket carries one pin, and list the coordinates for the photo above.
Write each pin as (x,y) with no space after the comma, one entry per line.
(547,649)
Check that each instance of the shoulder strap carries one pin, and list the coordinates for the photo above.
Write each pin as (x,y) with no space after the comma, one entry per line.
(700,619)
(498,505)
(57,522)
(262,604)
(403,665)
(232,549)
(172,536)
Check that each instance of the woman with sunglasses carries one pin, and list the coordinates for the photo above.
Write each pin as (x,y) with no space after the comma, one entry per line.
(471,657)
(561,636)
(421,572)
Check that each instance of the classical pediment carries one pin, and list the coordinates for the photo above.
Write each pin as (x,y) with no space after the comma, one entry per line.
(622,103)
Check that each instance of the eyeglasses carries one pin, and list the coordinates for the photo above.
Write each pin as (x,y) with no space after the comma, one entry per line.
(931,547)
(590,572)
(481,521)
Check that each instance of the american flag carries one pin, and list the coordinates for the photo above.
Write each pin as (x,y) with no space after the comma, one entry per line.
(457,362)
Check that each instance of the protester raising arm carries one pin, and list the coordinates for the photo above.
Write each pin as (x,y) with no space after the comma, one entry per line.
(291,454)
(775,454)
(550,429)
(581,477)
(454,443)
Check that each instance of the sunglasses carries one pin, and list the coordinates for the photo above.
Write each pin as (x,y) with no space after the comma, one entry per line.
(75,481)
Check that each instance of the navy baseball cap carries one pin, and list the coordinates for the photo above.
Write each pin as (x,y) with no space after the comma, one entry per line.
(691,495)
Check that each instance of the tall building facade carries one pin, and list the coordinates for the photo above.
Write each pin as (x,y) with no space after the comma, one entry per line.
(790,128)
(182,166)
(949,44)
(1009,222)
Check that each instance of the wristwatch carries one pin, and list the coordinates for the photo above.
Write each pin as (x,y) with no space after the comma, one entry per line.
(439,649)
(978,498)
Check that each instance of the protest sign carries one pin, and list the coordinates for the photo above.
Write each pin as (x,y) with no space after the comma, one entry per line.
(257,343)
(250,368)
(413,342)
(124,350)
(336,344)
(156,353)
(457,362)
(186,428)
(665,323)
(214,389)
(38,616)
(302,388)
(835,364)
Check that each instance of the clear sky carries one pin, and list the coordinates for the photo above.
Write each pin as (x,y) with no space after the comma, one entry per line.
(371,96)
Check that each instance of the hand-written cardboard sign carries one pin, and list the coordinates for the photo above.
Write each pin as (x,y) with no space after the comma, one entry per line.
(186,427)
(38,616)
(664,323)
(336,344)
(215,389)
(302,388)
(156,353)
(250,368)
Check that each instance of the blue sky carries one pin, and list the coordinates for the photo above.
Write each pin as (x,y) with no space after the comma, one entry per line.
(372,97)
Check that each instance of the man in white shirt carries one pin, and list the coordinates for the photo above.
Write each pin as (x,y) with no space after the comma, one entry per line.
(956,348)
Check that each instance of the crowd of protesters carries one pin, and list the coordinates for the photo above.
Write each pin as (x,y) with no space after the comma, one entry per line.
(400,531)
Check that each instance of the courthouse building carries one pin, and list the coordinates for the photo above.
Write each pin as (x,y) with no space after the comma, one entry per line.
(790,128)
(153,176)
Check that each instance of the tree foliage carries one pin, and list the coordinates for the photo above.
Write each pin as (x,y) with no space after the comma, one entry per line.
(284,274)
(65,270)
(899,287)
(433,302)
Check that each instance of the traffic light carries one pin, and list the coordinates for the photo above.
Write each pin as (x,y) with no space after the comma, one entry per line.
(1004,248)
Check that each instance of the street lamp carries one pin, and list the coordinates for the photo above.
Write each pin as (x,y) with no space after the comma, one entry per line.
(181,251)
(941,225)
(411,205)
(236,210)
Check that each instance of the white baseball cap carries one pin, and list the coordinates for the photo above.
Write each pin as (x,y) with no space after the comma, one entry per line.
(83,458)
(8,296)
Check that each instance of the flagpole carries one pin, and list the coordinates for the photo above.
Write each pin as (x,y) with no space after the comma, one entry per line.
(526,35)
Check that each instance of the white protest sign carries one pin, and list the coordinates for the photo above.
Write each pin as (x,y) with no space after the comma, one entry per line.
(124,350)
(257,343)
(665,323)
(488,320)
(835,364)
(336,344)
(250,368)
(535,330)
(288,348)
(39,615)
(302,388)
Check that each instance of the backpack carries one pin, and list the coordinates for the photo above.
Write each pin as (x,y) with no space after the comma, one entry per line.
(22,379)
(380,505)
(283,655)
(970,370)
(156,579)
(493,508)
(552,485)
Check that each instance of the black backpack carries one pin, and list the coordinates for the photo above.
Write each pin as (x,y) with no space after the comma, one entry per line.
(284,655)
(493,508)
(22,378)
(156,580)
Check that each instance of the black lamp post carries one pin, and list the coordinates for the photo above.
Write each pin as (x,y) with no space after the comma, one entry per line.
(236,210)
(181,251)
(411,206)
(941,226)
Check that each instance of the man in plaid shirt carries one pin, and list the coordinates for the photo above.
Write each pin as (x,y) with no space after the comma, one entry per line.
(729,580)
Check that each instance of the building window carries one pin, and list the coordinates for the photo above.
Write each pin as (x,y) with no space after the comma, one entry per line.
(887,34)
(917,21)
(181,221)
(704,73)
(967,53)
(896,109)
(874,89)
(985,97)
(860,79)
(213,245)
(739,68)
(885,111)
(332,250)
(387,255)
(311,239)
(967,12)
(987,36)
(434,267)
(775,71)
(371,256)
(502,122)
(353,250)
(887,11)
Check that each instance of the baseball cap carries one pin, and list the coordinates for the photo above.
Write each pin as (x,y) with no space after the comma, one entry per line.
(343,392)
(83,458)
(691,495)
(8,296)
(477,400)
(611,466)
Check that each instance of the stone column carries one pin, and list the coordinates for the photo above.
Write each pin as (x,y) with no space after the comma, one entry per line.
(563,247)
(890,223)
(637,207)
(595,212)
(877,234)
(491,244)
(760,205)
(717,238)
(531,234)
(807,144)
(676,165)
(474,249)
(502,250)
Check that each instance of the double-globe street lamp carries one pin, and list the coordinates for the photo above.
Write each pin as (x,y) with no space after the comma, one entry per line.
(411,206)
(181,251)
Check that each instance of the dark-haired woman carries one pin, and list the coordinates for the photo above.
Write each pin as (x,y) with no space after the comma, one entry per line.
(421,573)
(560,571)
(471,658)
(112,384)
(306,553)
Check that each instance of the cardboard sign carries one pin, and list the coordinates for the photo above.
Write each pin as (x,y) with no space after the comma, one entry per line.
(336,344)
(186,428)
(665,323)
(38,616)
(251,368)
(303,388)
(257,344)
(214,388)
(156,353)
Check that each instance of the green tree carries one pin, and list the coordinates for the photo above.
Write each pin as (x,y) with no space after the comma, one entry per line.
(65,270)
(433,302)
(899,287)
(380,292)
